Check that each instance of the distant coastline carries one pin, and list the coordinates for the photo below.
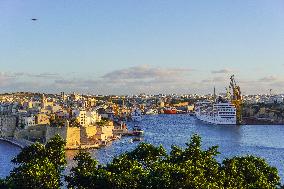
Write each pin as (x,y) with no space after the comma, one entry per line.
(259,121)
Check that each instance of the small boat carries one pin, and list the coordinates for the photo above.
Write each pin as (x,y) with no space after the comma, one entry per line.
(170,110)
(136,139)
(137,131)
(151,112)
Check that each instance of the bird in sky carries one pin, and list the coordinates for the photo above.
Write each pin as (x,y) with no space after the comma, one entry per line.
(34,19)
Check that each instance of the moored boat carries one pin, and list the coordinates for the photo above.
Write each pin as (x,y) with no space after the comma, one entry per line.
(170,110)
(151,112)
(137,139)
(222,110)
(219,113)
(137,131)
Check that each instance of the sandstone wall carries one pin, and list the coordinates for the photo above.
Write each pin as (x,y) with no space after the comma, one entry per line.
(8,125)
(91,131)
(88,134)
(70,134)
(32,133)
(73,137)
(51,131)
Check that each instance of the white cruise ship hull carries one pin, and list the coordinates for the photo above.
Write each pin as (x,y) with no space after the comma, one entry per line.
(216,113)
(216,120)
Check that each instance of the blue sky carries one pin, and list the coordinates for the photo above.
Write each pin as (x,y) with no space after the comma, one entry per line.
(134,46)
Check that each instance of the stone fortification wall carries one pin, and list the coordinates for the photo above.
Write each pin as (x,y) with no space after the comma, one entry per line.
(8,125)
(73,137)
(88,134)
(52,131)
(70,134)
(32,133)
(81,136)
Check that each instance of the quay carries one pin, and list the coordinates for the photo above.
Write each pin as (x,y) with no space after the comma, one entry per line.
(260,121)
(83,147)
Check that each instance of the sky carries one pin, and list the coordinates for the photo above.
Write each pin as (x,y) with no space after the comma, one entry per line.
(134,46)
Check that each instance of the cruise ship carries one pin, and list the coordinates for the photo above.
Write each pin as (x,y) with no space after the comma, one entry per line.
(218,113)
(222,111)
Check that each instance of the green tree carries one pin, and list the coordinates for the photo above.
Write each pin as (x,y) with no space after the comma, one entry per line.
(57,121)
(87,174)
(148,166)
(194,167)
(146,154)
(4,184)
(39,166)
(249,172)
(38,174)
(103,122)
(55,151)
(74,122)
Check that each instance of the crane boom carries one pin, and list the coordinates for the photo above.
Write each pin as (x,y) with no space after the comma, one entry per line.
(236,98)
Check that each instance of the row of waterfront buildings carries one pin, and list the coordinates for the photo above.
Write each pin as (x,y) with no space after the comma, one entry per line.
(38,117)
(93,120)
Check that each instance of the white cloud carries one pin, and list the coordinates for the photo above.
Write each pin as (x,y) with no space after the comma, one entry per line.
(125,81)
(45,75)
(146,72)
(133,80)
(222,71)
(5,79)
(215,80)
(269,79)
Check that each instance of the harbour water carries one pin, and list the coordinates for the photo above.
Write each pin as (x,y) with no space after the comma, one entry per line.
(7,152)
(265,141)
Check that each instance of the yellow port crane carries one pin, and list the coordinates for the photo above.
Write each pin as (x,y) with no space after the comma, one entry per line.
(236,98)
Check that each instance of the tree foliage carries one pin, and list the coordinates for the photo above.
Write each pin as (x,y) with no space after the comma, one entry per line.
(249,172)
(56,121)
(148,166)
(4,184)
(39,166)
(74,123)
(86,174)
